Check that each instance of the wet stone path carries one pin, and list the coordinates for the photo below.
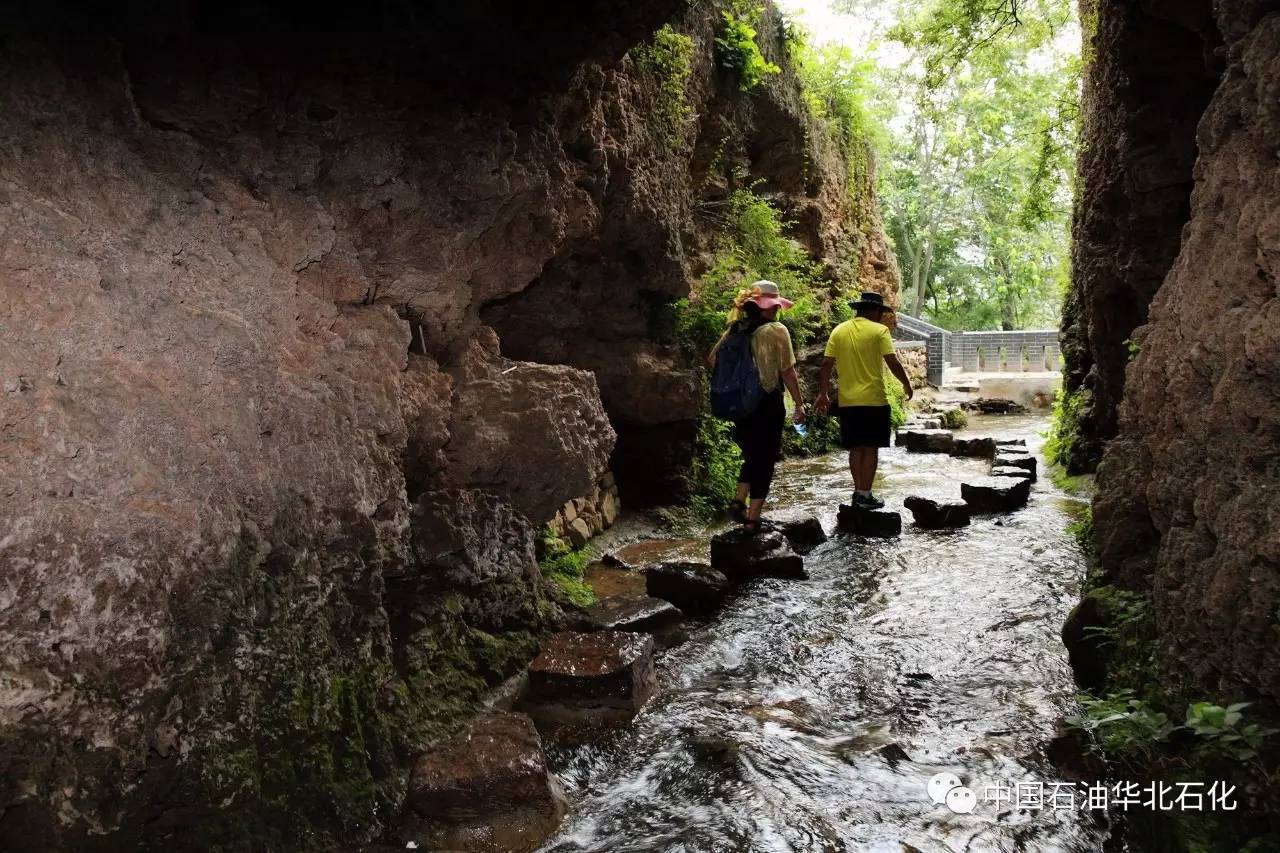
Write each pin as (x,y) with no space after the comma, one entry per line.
(809,715)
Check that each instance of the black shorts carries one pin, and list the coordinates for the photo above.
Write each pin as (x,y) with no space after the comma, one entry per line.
(864,426)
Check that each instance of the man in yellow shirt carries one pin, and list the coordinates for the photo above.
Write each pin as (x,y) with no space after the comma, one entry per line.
(857,350)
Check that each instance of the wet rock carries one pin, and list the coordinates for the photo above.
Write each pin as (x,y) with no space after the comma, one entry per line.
(1011,442)
(613,560)
(714,748)
(487,788)
(893,753)
(645,614)
(996,406)
(741,555)
(804,534)
(995,494)
(695,588)
(1011,471)
(936,514)
(579,532)
(597,678)
(1089,651)
(926,440)
(1026,461)
(868,522)
(982,448)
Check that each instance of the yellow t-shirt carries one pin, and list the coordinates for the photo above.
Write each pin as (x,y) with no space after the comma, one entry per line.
(859,347)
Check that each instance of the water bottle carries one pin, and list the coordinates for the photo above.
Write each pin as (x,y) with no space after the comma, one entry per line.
(800,428)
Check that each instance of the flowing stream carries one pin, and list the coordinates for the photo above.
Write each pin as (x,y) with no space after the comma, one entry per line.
(809,715)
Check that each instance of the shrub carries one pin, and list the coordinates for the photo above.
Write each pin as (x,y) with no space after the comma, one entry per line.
(1064,435)
(954,418)
(668,56)
(736,47)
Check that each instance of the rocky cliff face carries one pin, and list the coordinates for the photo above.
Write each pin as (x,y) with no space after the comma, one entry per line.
(1187,508)
(305,336)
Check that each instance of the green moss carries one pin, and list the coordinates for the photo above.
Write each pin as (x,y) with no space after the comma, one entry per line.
(565,566)
(1063,444)
(668,57)
(954,419)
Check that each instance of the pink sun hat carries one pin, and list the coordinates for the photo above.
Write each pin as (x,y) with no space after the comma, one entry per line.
(768,296)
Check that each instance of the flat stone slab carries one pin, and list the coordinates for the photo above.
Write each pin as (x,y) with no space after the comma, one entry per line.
(1026,461)
(995,406)
(633,613)
(741,555)
(1011,442)
(937,514)
(598,677)
(1012,471)
(996,494)
(490,781)
(868,522)
(695,588)
(980,448)
(926,440)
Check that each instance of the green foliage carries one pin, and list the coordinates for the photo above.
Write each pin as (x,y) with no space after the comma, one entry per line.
(1081,529)
(1122,725)
(668,56)
(1223,732)
(837,87)
(753,245)
(977,184)
(1064,431)
(713,473)
(954,418)
(897,396)
(736,48)
(1131,349)
(565,566)
(822,436)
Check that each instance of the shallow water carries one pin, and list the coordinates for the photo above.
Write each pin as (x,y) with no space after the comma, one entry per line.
(771,726)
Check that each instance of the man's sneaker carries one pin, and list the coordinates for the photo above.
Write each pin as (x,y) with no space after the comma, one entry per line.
(867,501)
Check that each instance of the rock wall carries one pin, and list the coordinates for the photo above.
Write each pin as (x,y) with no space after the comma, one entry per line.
(271,478)
(1187,508)
(1152,68)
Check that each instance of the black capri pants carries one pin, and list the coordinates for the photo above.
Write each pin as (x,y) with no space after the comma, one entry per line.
(759,435)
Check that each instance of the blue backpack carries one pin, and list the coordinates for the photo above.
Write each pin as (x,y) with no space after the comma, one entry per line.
(735,382)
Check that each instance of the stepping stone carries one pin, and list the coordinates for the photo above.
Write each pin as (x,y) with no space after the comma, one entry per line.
(1011,442)
(804,534)
(926,440)
(632,613)
(933,514)
(982,448)
(1011,471)
(868,522)
(488,781)
(996,406)
(996,494)
(695,588)
(741,555)
(933,423)
(1025,461)
(598,678)
(614,561)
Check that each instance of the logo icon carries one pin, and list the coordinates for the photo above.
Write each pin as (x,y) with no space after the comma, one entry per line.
(947,788)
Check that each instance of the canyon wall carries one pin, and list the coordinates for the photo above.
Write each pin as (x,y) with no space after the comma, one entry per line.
(309,322)
(1187,509)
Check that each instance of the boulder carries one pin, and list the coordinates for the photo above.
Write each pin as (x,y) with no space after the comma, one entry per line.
(936,514)
(695,588)
(579,532)
(868,522)
(995,494)
(609,509)
(1012,471)
(926,440)
(982,448)
(741,555)
(643,613)
(804,534)
(1007,459)
(590,678)
(487,787)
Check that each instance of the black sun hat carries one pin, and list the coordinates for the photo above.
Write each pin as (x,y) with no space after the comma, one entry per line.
(872,299)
